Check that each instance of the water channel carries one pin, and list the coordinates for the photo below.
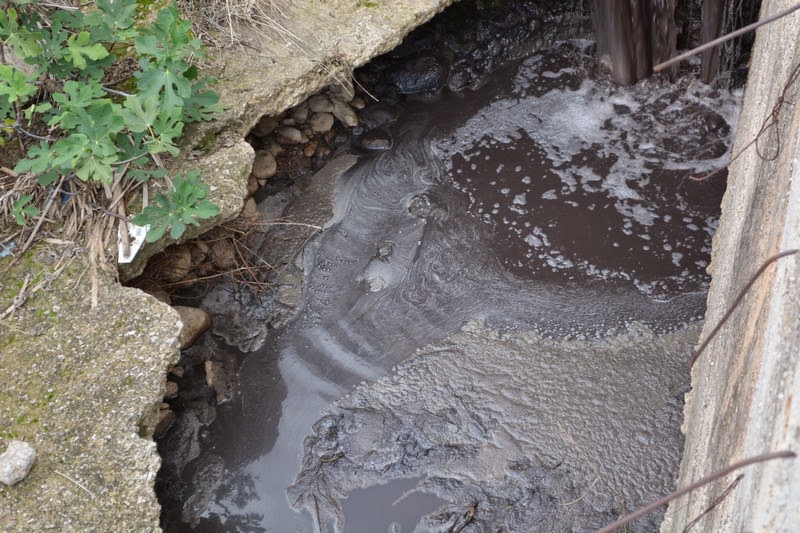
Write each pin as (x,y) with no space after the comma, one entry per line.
(494,323)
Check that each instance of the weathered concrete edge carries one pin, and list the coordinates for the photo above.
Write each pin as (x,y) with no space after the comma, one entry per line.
(745,399)
(82,384)
(251,86)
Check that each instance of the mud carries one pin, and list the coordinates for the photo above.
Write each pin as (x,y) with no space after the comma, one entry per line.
(536,245)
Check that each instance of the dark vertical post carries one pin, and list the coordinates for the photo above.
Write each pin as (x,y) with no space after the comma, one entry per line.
(713,17)
(664,34)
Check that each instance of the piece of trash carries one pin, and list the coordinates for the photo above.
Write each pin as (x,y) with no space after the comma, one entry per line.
(5,249)
(137,235)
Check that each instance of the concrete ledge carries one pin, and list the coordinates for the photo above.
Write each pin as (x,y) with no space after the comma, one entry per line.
(746,386)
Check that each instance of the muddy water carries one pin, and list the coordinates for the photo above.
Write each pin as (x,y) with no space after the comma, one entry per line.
(536,247)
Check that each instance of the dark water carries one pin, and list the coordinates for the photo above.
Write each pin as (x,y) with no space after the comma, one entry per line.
(551,214)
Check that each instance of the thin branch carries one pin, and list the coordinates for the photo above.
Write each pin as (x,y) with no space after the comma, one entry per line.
(715,503)
(736,303)
(647,509)
(19,129)
(724,38)
(118,93)
(90,493)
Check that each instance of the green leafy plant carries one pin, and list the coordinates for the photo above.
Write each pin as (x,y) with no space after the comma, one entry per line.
(182,206)
(86,128)
(21,209)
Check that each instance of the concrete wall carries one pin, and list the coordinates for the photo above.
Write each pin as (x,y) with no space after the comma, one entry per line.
(745,397)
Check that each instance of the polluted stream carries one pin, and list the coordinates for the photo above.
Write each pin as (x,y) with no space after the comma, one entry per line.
(494,323)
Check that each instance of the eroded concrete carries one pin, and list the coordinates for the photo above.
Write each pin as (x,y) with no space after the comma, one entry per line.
(745,398)
(82,385)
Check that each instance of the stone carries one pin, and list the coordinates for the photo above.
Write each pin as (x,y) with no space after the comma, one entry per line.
(358,103)
(252,185)
(424,74)
(250,210)
(217,380)
(195,323)
(321,122)
(170,390)
(16,462)
(264,165)
(289,122)
(166,418)
(320,103)
(374,141)
(344,113)
(265,126)
(323,151)
(224,254)
(275,149)
(177,371)
(378,115)
(300,113)
(310,148)
(175,264)
(342,89)
(290,135)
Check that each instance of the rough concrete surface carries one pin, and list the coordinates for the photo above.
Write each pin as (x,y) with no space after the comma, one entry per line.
(746,386)
(81,385)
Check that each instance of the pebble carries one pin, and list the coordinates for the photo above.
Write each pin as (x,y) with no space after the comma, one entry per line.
(16,462)
(321,122)
(250,210)
(265,126)
(310,148)
(344,113)
(195,323)
(217,380)
(320,104)
(264,165)
(375,141)
(290,135)
(176,264)
(358,103)
(224,254)
(300,113)
(170,390)
(166,418)
(252,185)
(343,89)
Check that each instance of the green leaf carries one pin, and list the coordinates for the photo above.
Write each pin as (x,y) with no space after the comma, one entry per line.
(20,209)
(201,105)
(205,209)
(140,113)
(21,39)
(37,160)
(178,208)
(79,48)
(96,169)
(174,87)
(115,15)
(14,84)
